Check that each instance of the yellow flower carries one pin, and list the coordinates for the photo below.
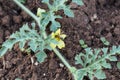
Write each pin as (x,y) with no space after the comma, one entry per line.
(39,12)
(59,38)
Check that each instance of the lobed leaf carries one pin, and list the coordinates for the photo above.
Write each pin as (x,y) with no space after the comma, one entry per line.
(22,44)
(94,60)
(113,58)
(104,41)
(3,50)
(41,56)
(118,65)
(29,36)
(18,79)
(80,74)
(51,16)
(46,2)
(78,59)
(79,2)
(68,11)
(33,45)
(100,74)
(106,65)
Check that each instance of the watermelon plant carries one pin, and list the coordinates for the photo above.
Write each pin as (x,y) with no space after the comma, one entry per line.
(38,40)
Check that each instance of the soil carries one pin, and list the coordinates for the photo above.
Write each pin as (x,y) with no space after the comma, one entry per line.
(95,19)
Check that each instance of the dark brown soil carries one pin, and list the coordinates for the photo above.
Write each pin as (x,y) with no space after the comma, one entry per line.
(95,19)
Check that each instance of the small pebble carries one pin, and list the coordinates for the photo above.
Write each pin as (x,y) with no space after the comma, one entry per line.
(94,17)
(61,65)
(36,63)
(44,74)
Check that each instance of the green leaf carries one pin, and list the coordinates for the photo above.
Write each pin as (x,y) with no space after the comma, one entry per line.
(50,17)
(97,51)
(105,42)
(115,50)
(84,46)
(95,67)
(81,42)
(22,44)
(3,50)
(106,65)
(48,47)
(18,79)
(79,2)
(33,45)
(68,12)
(54,26)
(78,59)
(105,51)
(9,43)
(103,39)
(41,56)
(113,58)
(118,65)
(25,34)
(90,76)
(33,25)
(92,60)
(80,74)
(100,74)
(45,21)
(45,1)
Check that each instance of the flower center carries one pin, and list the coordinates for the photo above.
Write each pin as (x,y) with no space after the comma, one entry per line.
(57,37)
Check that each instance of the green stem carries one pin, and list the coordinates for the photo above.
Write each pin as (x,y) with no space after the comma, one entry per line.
(70,68)
(27,11)
(62,58)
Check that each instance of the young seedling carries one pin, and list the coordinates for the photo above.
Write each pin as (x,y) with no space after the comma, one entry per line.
(82,44)
(104,41)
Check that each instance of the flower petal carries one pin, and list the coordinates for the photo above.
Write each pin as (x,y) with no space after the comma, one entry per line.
(53,35)
(61,44)
(58,32)
(63,36)
(39,11)
(53,45)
